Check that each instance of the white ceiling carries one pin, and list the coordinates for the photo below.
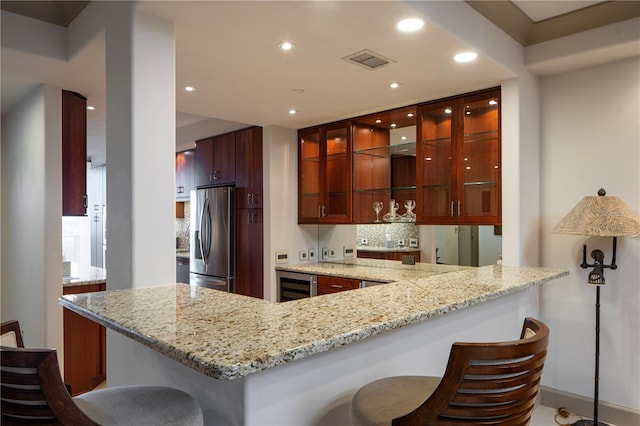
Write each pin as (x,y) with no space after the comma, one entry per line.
(539,10)
(228,50)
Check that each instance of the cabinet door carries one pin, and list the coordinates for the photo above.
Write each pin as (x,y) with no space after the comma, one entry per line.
(437,126)
(249,168)
(185,171)
(84,346)
(480,170)
(309,203)
(74,154)
(224,159)
(336,175)
(249,252)
(204,162)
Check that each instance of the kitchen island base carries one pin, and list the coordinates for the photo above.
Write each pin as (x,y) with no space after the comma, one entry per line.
(316,390)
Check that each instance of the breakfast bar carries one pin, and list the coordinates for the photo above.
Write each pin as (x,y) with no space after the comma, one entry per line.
(253,362)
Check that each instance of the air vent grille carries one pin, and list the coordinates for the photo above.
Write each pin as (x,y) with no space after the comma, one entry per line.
(368,59)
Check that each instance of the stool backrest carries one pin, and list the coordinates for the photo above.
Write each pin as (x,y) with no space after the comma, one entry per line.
(10,334)
(487,383)
(32,390)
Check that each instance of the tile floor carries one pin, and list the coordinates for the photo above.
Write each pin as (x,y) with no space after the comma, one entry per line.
(546,416)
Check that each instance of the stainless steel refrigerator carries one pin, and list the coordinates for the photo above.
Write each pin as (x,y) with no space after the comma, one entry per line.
(212,243)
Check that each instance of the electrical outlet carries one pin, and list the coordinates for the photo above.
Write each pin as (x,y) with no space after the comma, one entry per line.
(332,252)
(364,241)
(325,253)
(302,255)
(401,242)
(413,242)
(311,255)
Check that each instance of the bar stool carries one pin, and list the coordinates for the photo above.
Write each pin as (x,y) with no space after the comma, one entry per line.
(484,383)
(33,392)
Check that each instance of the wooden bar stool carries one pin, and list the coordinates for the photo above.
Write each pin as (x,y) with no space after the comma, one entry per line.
(484,383)
(32,391)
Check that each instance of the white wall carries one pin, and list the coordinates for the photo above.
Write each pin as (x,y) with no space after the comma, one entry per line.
(591,139)
(186,136)
(281,231)
(32,217)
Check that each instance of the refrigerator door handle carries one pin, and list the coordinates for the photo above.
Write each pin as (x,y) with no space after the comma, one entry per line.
(205,231)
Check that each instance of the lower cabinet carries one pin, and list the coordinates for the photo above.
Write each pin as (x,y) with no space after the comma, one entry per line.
(388,255)
(182,269)
(328,284)
(85,344)
(249,257)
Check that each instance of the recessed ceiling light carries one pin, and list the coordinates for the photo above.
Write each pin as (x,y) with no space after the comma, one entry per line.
(393,124)
(447,110)
(286,45)
(493,102)
(292,111)
(465,57)
(409,25)
(428,158)
(394,85)
(378,121)
(189,88)
(90,107)
(410,114)
(298,91)
(404,138)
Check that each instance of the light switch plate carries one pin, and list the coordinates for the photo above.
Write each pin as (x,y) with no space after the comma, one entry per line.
(311,255)
(348,252)
(302,255)
(413,242)
(282,256)
(325,253)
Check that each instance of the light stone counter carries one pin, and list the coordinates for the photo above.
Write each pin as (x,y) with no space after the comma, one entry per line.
(84,275)
(228,336)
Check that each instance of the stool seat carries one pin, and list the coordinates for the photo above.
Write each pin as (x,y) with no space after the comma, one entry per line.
(140,405)
(379,402)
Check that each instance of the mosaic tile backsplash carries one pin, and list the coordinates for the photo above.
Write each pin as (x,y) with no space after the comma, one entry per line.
(183,229)
(376,235)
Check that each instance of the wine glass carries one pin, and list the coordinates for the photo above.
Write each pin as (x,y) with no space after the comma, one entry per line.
(377,206)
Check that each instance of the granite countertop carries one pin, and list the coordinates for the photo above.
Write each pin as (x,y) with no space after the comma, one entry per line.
(183,253)
(226,336)
(82,274)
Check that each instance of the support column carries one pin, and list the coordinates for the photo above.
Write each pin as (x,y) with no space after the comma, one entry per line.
(140,135)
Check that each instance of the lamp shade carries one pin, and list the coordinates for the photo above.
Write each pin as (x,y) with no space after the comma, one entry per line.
(601,216)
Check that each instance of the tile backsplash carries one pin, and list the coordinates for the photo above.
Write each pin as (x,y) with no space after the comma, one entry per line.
(183,229)
(376,235)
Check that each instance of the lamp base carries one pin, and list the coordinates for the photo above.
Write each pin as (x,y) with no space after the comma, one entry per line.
(588,423)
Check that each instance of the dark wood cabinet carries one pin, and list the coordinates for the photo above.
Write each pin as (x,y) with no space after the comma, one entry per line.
(249,168)
(459,173)
(387,255)
(325,182)
(84,346)
(185,171)
(328,284)
(216,160)
(249,252)
(74,154)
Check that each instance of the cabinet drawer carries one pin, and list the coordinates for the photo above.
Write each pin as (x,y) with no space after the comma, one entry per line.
(327,284)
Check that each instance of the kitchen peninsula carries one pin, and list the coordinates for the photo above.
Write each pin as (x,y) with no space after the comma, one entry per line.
(254,362)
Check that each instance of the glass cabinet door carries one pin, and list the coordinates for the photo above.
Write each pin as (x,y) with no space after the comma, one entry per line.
(436,155)
(480,170)
(309,177)
(336,206)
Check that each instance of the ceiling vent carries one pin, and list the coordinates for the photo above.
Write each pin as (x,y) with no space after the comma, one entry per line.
(368,59)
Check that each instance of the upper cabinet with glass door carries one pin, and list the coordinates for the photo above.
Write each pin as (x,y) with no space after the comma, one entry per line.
(324,187)
(384,166)
(459,174)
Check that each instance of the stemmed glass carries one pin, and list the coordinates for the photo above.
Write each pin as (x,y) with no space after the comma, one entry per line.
(377,206)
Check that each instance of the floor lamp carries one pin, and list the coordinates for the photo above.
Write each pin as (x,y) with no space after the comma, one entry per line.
(599,216)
